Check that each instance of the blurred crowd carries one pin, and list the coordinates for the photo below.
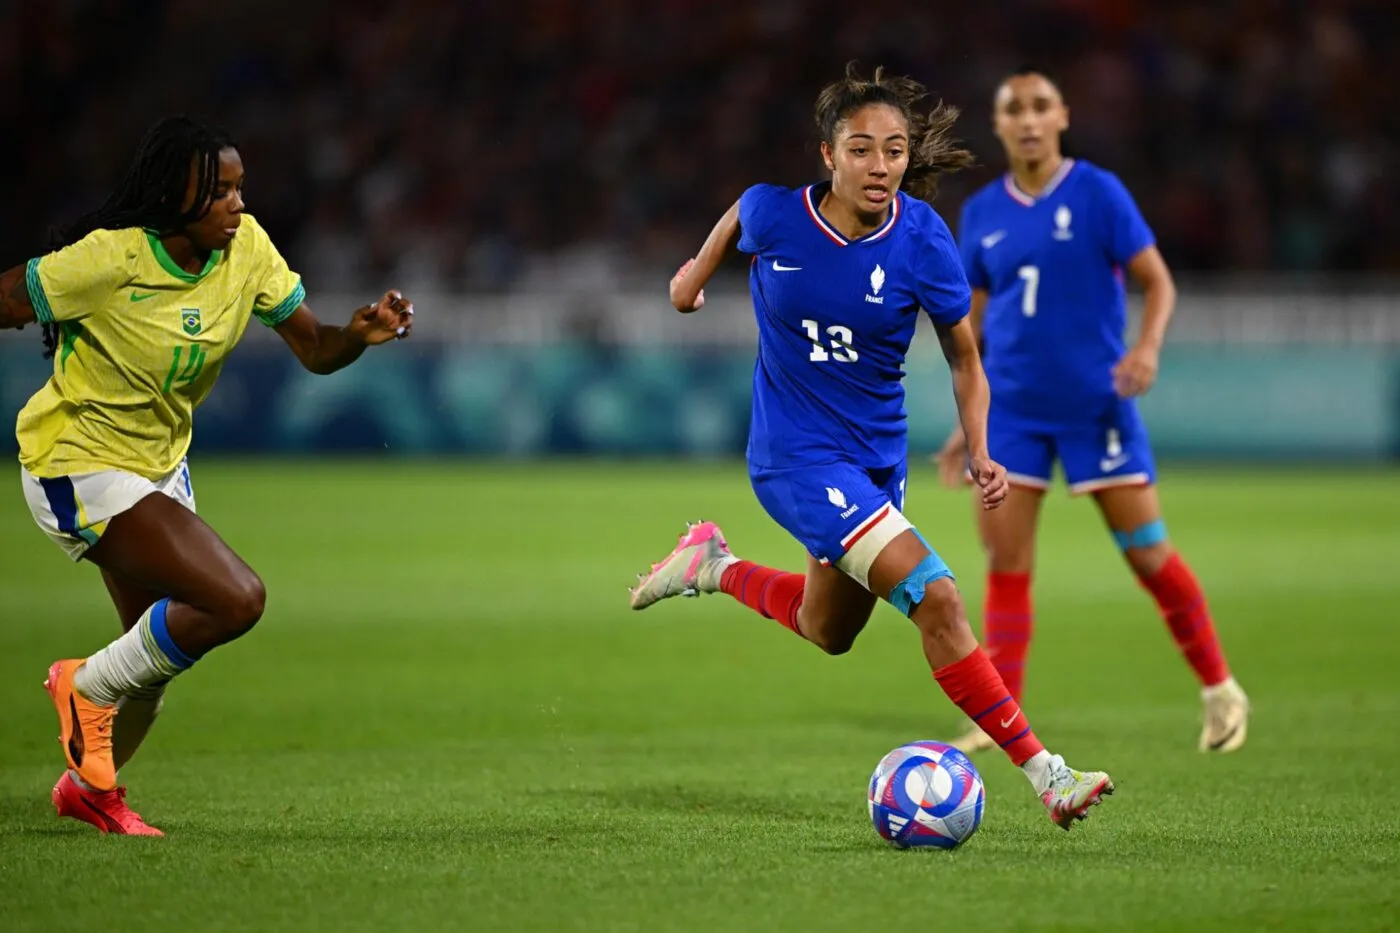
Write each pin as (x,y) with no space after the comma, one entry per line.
(492,145)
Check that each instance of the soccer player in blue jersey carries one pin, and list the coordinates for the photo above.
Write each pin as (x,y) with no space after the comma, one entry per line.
(839,274)
(1045,248)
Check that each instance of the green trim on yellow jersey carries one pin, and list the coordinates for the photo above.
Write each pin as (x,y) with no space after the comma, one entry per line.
(284,308)
(169,265)
(37,299)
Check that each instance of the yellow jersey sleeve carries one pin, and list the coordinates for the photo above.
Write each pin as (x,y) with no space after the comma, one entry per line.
(79,280)
(277,289)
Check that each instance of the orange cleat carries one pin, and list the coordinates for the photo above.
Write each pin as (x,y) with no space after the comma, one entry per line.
(107,811)
(85,729)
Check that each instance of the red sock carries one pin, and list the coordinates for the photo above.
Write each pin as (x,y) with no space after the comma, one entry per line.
(977,688)
(1006,627)
(773,594)
(1183,605)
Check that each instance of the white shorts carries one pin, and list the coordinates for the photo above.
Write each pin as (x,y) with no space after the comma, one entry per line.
(74,510)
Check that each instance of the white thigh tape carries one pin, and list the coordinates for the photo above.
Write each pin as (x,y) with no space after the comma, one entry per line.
(867,541)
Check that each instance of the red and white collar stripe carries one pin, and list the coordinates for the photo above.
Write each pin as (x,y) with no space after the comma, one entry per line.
(831,232)
(1028,200)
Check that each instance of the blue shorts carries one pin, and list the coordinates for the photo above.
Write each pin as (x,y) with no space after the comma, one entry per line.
(1112,450)
(828,506)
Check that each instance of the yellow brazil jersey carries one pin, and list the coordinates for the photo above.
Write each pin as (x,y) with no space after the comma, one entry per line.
(141,344)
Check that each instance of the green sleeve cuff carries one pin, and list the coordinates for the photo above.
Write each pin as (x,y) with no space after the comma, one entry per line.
(284,308)
(37,299)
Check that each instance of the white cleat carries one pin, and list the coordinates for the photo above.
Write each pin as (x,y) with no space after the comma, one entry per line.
(1072,793)
(1226,717)
(973,740)
(689,570)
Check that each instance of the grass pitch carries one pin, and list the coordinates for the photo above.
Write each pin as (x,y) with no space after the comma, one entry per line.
(449,719)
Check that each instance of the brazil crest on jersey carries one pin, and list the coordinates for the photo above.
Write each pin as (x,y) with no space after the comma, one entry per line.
(1053,268)
(835,318)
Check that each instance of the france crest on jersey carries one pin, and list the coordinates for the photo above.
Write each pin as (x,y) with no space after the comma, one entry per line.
(1053,267)
(835,319)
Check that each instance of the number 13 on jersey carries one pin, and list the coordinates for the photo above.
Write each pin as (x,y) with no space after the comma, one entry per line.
(840,339)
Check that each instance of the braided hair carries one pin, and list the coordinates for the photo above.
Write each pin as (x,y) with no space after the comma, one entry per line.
(153,190)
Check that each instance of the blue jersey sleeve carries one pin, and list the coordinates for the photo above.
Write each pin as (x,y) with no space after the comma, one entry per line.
(758,216)
(939,281)
(968,244)
(1122,230)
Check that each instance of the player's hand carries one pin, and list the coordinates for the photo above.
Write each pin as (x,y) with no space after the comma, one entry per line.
(991,477)
(1135,372)
(680,292)
(390,318)
(952,460)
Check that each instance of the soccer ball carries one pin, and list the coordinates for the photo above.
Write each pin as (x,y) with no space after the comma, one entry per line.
(926,794)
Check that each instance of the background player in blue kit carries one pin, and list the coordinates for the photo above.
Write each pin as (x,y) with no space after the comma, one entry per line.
(840,271)
(1045,248)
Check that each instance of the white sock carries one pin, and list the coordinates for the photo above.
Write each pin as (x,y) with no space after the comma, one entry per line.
(1038,769)
(136,713)
(142,657)
(710,573)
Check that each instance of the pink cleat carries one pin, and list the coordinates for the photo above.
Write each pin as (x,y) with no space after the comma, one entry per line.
(694,567)
(1071,793)
(107,811)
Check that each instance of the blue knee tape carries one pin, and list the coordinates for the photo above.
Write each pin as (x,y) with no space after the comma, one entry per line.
(1142,536)
(909,592)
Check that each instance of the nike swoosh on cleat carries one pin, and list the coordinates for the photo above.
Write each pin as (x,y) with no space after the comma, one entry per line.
(76,747)
(1230,735)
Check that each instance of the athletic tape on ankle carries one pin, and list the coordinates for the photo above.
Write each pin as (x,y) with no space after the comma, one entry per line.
(1142,536)
(909,592)
(857,561)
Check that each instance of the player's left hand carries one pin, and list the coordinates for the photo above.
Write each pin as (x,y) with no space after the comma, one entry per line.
(390,318)
(991,477)
(1135,372)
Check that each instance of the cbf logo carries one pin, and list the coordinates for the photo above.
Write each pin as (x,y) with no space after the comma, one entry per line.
(189,318)
(877,282)
(1062,220)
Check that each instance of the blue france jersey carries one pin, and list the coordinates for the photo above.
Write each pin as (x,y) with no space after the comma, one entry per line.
(1053,267)
(835,318)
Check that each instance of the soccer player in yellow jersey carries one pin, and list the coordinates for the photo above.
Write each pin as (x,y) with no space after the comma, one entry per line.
(139,309)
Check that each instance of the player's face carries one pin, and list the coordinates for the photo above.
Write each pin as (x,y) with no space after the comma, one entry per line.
(1029,117)
(216,229)
(869,158)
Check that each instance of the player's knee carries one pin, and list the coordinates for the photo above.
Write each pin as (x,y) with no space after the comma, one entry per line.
(832,634)
(1146,548)
(1147,561)
(835,641)
(243,604)
(1009,557)
(941,609)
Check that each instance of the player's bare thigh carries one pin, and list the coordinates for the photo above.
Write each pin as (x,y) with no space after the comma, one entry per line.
(834,609)
(1129,508)
(1008,532)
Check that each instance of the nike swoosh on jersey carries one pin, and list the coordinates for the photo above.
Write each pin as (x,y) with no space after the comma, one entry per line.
(777,267)
(992,239)
(137,296)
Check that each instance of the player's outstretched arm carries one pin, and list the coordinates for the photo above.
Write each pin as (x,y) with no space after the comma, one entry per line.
(974,397)
(15,308)
(325,348)
(688,284)
(1137,370)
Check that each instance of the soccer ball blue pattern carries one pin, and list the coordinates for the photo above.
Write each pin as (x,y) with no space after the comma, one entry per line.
(926,794)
